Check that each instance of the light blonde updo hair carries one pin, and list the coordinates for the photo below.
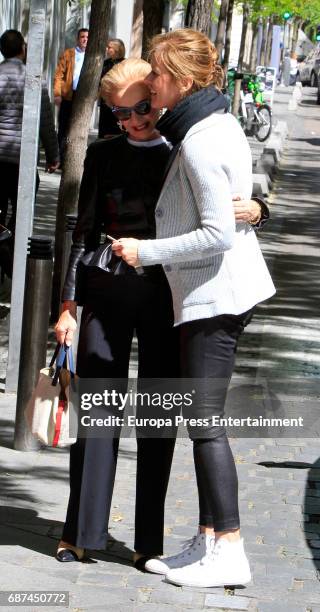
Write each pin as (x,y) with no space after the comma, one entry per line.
(121,75)
(186,53)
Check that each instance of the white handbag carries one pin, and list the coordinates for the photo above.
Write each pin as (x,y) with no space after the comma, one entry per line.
(48,411)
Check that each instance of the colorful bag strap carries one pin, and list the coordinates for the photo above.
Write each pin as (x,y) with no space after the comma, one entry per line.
(63,355)
(54,356)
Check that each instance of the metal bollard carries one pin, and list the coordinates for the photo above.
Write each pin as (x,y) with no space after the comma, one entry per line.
(34,333)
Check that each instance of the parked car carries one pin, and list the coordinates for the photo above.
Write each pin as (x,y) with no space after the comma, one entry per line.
(308,67)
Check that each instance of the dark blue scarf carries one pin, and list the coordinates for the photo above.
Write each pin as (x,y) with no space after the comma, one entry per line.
(174,124)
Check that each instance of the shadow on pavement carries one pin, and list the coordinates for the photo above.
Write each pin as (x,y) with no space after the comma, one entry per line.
(312,512)
(311,508)
(24,528)
(6,429)
(308,102)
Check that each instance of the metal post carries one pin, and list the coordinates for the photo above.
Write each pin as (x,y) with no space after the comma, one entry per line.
(27,182)
(34,332)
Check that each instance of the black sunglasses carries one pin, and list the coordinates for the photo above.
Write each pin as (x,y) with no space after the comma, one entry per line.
(124,112)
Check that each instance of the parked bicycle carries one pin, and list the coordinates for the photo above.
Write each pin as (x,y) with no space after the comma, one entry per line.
(254,115)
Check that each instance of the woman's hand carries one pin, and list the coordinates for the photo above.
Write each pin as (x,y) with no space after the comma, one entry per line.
(127,248)
(246,210)
(67,323)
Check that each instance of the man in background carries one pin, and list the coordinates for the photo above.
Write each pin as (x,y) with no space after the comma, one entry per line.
(66,80)
(12,85)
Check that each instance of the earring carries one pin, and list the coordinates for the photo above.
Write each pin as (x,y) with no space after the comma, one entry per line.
(120,126)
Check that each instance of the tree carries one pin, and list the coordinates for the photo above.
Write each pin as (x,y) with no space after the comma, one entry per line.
(222,22)
(237,85)
(253,50)
(269,41)
(153,11)
(245,22)
(264,41)
(78,133)
(199,15)
(227,44)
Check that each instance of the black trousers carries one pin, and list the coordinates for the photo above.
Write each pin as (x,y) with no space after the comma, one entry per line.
(208,348)
(64,117)
(127,303)
(9,179)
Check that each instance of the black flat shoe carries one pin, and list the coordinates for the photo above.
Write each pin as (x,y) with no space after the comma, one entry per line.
(66,555)
(139,564)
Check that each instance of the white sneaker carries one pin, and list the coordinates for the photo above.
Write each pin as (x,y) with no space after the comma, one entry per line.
(196,549)
(225,564)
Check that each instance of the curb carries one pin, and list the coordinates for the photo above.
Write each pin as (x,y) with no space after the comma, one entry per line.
(266,165)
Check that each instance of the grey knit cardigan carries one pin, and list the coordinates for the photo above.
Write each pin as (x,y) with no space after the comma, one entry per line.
(213,267)
(12,81)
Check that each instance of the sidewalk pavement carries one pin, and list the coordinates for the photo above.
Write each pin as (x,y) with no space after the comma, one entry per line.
(279,477)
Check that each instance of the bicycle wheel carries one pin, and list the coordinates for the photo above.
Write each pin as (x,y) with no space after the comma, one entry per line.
(263,123)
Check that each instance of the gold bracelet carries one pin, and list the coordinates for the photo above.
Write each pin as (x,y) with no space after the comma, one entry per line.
(255,220)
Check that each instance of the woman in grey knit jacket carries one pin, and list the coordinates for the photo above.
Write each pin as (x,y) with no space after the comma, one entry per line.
(216,273)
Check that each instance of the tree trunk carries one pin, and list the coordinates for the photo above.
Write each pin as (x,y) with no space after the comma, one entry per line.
(263,43)
(153,11)
(296,26)
(198,15)
(254,49)
(227,43)
(219,42)
(237,85)
(78,134)
(245,21)
(269,41)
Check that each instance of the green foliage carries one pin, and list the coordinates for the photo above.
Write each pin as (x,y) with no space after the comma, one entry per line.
(303,10)
(299,9)
(81,3)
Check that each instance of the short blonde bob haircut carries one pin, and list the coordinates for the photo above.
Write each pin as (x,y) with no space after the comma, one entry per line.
(186,53)
(119,47)
(128,71)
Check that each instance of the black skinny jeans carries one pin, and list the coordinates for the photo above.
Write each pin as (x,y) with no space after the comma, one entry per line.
(208,348)
(127,303)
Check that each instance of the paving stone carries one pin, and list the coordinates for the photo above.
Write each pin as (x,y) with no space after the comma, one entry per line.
(279,607)
(173,596)
(102,579)
(89,597)
(227,602)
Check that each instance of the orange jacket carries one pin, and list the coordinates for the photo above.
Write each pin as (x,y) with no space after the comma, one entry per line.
(63,78)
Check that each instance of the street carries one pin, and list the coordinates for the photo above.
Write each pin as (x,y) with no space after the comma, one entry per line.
(278,365)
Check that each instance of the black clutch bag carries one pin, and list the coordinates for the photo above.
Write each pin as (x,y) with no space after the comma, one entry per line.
(91,265)
(105,259)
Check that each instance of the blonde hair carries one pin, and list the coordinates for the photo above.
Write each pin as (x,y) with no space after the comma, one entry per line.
(119,47)
(186,53)
(128,71)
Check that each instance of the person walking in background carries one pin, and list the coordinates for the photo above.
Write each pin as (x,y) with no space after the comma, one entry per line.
(12,85)
(216,273)
(108,123)
(293,68)
(66,80)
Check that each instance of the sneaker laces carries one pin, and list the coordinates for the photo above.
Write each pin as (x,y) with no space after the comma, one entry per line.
(212,552)
(187,545)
